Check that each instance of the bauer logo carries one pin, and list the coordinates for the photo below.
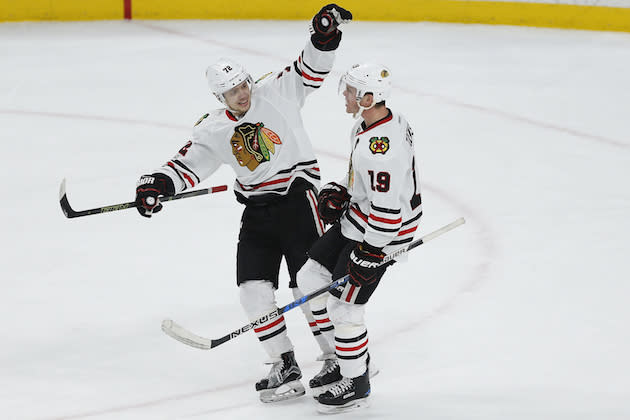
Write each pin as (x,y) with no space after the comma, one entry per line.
(379,145)
(146,180)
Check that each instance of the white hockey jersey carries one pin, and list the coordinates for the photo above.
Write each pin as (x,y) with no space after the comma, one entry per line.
(268,147)
(383,181)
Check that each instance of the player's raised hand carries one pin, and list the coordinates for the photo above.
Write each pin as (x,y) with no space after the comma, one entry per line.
(331,16)
(325,35)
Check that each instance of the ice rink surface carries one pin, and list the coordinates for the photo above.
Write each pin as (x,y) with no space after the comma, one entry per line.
(522,313)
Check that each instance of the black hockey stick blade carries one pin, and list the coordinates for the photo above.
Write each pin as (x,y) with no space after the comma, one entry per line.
(181,334)
(71,213)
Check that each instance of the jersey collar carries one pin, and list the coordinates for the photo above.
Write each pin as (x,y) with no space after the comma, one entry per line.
(383,120)
(230,115)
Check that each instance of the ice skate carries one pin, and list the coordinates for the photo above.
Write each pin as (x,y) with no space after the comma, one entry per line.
(283,382)
(347,395)
(330,374)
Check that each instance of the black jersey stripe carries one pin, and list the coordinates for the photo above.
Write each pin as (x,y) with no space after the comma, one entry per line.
(353,339)
(309,163)
(178,174)
(298,71)
(282,172)
(400,242)
(310,68)
(275,190)
(273,334)
(286,183)
(384,210)
(178,163)
(356,356)
(380,229)
(413,219)
(356,224)
(314,176)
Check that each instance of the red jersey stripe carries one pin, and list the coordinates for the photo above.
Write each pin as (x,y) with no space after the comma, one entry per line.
(350,293)
(315,79)
(384,220)
(358,213)
(275,181)
(406,231)
(360,346)
(313,200)
(188,178)
(273,324)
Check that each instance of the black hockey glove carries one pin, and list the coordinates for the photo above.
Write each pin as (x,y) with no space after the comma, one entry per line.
(325,35)
(364,265)
(148,189)
(333,200)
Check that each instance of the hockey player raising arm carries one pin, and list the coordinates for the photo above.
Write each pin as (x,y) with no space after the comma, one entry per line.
(374,211)
(260,134)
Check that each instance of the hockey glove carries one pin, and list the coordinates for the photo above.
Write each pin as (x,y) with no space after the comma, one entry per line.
(325,35)
(364,266)
(148,190)
(333,200)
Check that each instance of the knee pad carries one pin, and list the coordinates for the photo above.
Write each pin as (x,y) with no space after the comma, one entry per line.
(257,297)
(305,307)
(344,314)
(313,276)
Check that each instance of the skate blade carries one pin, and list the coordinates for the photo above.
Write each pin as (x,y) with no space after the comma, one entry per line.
(337,409)
(288,391)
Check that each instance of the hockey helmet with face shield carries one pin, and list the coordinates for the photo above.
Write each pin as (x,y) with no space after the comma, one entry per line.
(224,75)
(368,78)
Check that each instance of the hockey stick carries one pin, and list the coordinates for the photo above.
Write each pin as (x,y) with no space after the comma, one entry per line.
(70,213)
(179,333)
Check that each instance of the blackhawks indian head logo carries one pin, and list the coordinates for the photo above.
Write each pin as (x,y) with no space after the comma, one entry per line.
(253,144)
(379,145)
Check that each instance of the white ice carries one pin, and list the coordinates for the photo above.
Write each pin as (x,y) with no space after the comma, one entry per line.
(522,313)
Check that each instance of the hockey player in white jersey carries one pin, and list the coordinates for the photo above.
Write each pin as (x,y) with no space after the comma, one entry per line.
(374,210)
(260,134)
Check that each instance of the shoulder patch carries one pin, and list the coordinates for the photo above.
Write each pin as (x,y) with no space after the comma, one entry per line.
(263,77)
(379,145)
(201,119)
